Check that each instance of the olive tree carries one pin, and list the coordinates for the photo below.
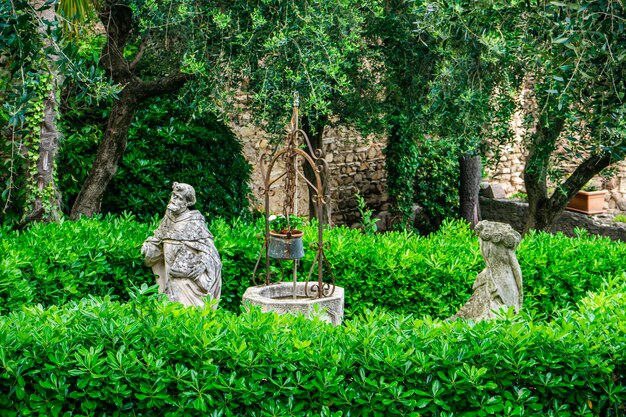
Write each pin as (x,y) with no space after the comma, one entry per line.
(569,55)
(136,32)
(575,53)
(271,49)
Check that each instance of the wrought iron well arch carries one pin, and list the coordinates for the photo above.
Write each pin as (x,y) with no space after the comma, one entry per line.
(290,154)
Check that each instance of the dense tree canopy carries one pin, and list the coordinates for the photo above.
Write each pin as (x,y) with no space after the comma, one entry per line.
(569,58)
(439,78)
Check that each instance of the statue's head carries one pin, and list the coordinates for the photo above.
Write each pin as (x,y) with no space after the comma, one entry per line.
(498,234)
(183,196)
(496,241)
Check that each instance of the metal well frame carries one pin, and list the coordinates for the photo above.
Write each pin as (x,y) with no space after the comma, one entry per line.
(294,159)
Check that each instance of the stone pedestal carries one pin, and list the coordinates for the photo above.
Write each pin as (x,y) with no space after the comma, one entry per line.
(279,298)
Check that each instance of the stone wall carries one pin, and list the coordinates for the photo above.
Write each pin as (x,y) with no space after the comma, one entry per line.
(515,213)
(507,171)
(355,163)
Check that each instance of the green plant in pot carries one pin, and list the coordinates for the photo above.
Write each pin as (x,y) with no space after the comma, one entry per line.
(590,186)
(280,226)
(285,239)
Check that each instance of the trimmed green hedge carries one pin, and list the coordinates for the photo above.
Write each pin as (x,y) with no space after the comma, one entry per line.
(151,357)
(401,272)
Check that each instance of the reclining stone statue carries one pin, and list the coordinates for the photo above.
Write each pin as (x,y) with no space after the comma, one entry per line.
(182,253)
(499,285)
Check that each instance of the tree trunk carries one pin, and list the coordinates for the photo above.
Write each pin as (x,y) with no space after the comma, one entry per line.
(44,200)
(470,171)
(536,173)
(315,134)
(540,217)
(117,19)
(543,210)
(108,158)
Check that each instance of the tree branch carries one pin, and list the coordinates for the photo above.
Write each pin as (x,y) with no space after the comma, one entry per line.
(118,21)
(589,168)
(139,54)
(162,86)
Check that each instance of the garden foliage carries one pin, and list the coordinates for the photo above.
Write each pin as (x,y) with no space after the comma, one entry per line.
(27,190)
(166,145)
(425,172)
(398,271)
(55,263)
(151,357)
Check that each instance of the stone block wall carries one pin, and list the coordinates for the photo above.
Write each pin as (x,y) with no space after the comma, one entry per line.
(507,171)
(358,163)
(355,163)
(515,214)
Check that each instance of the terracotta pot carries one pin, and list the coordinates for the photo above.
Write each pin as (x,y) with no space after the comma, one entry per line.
(588,202)
(285,246)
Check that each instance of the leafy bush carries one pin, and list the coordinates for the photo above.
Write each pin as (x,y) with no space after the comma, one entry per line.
(166,145)
(423,171)
(404,272)
(437,181)
(55,263)
(558,271)
(402,160)
(150,357)
(433,275)
(399,271)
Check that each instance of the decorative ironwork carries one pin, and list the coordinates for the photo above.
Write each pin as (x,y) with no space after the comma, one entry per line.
(289,244)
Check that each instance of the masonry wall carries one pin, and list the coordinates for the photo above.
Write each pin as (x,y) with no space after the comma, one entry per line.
(355,163)
(507,171)
(358,163)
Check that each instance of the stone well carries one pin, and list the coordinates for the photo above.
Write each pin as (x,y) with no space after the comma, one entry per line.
(279,298)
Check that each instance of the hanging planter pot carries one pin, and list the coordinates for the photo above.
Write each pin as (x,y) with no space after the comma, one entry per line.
(285,245)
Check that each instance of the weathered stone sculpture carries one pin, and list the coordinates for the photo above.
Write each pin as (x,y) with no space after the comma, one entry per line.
(499,285)
(182,252)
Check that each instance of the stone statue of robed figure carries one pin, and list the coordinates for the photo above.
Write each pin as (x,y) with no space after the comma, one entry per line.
(182,253)
(499,285)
